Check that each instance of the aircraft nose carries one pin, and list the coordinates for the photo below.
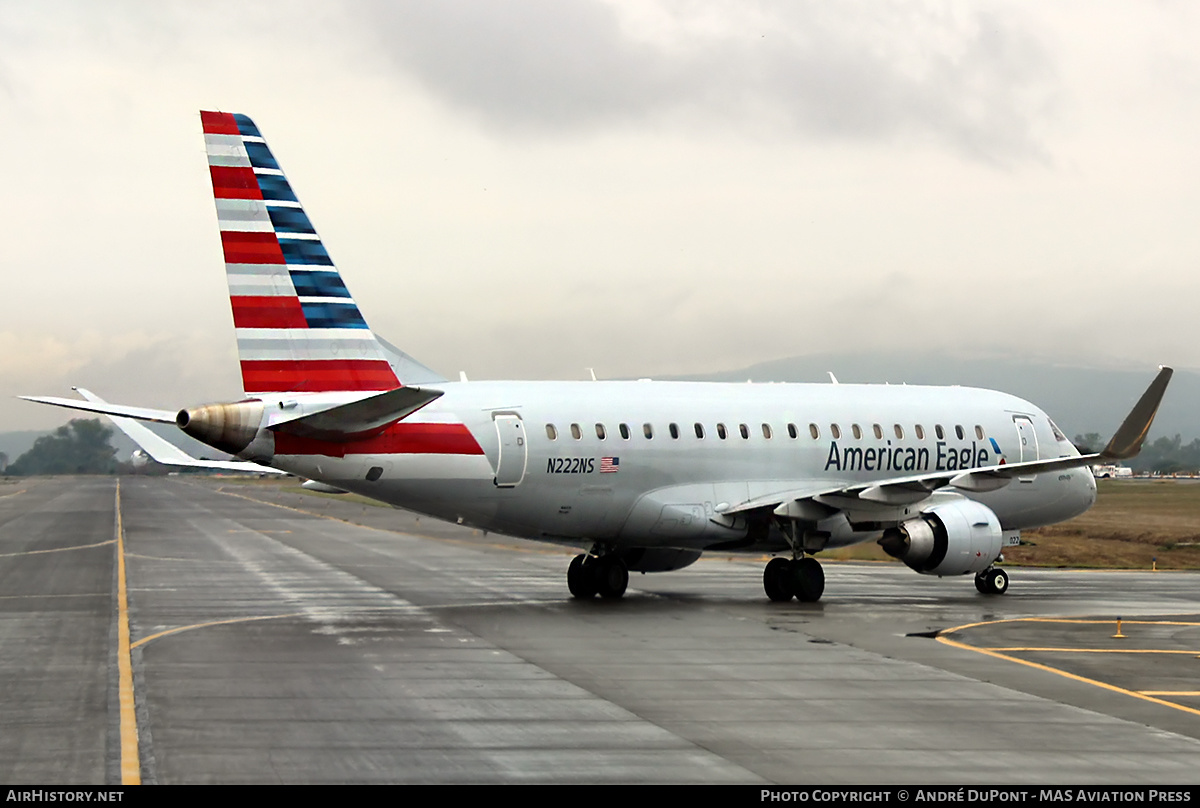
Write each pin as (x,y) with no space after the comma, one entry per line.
(1088,482)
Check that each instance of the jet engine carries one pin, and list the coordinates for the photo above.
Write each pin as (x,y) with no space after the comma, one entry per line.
(953,538)
(234,428)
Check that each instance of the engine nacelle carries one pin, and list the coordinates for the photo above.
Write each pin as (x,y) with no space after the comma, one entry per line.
(949,539)
(233,428)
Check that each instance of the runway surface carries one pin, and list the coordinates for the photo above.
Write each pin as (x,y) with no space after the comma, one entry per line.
(318,639)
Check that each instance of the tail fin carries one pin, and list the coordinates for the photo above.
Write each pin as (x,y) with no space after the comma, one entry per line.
(298,329)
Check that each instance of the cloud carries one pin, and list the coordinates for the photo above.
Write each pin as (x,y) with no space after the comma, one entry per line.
(961,74)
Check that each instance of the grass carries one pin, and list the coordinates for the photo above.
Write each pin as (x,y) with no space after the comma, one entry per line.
(1134,524)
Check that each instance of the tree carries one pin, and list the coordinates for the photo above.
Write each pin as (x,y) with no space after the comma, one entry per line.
(80,447)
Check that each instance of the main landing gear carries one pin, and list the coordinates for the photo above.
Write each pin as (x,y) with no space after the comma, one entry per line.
(802,578)
(992,581)
(606,576)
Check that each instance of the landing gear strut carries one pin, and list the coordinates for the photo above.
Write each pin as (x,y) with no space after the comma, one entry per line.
(606,576)
(992,581)
(803,579)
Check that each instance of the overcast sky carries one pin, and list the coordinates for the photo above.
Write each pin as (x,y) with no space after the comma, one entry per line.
(528,188)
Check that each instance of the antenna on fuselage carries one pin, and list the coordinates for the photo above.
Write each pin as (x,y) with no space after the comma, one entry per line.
(592,372)
(462,376)
(832,378)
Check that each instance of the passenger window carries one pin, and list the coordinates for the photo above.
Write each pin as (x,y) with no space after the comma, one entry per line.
(648,431)
(878,430)
(813,430)
(374,473)
(978,431)
(857,430)
(624,430)
(941,433)
(767,431)
(793,433)
(745,430)
(700,431)
(721,431)
(899,430)
(600,433)
(920,432)
(958,430)
(674,430)
(551,432)
(576,432)
(836,431)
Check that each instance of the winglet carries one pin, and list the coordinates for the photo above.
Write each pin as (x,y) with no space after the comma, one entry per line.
(1128,440)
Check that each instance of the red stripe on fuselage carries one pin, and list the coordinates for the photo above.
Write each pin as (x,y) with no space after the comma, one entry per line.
(251,248)
(267,312)
(232,182)
(399,438)
(316,375)
(219,123)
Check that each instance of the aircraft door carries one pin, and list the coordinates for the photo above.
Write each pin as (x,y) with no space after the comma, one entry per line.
(1027,437)
(514,450)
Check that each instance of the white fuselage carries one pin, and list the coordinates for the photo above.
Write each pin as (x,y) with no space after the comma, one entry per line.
(655,464)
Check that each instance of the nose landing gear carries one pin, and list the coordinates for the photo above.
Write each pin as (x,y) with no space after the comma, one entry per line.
(992,581)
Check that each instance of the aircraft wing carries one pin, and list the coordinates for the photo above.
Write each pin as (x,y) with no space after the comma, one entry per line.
(811,502)
(161,449)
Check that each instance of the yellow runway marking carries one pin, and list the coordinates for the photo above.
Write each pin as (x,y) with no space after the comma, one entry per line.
(996,653)
(13,494)
(59,549)
(131,767)
(194,626)
(1170,692)
(1090,650)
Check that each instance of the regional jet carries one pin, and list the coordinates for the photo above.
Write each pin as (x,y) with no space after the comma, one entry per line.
(642,476)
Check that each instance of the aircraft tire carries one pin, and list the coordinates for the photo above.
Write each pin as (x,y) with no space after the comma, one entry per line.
(775,580)
(981,582)
(581,577)
(808,580)
(611,576)
(996,581)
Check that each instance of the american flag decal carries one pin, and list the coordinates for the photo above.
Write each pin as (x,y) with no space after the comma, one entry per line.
(610,464)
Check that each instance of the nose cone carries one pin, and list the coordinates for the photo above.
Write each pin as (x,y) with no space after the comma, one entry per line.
(1083,487)
(1091,485)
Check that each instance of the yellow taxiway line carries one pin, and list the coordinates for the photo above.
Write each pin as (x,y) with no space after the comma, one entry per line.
(997,653)
(131,767)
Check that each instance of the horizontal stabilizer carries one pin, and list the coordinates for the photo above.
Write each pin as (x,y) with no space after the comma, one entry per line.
(166,453)
(103,407)
(359,418)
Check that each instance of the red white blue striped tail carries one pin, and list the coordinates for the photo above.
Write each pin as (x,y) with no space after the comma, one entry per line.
(298,329)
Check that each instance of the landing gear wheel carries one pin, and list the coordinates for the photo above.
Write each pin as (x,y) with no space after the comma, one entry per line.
(996,581)
(981,582)
(581,577)
(611,576)
(775,580)
(807,579)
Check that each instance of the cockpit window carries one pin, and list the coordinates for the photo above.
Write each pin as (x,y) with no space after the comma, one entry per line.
(1058,435)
